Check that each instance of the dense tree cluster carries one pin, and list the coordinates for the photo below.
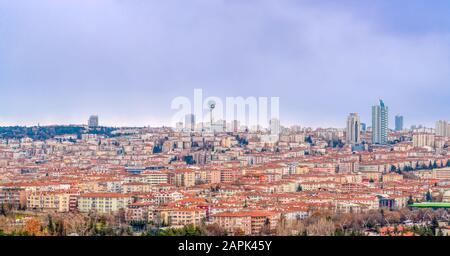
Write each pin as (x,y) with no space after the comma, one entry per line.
(189,230)
(48,132)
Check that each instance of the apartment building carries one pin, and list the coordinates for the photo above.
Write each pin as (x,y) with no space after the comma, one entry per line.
(51,201)
(165,197)
(182,178)
(179,216)
(132,187)
(230,175)
(139,211)
(246,223)
(441,174)
(103,202)
(156,177)
(14,197)
(422,139)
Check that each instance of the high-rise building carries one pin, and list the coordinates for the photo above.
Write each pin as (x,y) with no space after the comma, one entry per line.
(235,126)
(275,126)
(380,123)
(442,128)
(353,129)
(189,122)
(398,123)
(363,127)
(93,121)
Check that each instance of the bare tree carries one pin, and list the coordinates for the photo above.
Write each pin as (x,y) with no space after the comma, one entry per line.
(321,227)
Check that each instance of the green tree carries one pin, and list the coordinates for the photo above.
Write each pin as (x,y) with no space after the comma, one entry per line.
(50,225)
(428,197)
(339,232)
(434,225)
(59,227)
(410,200)
(188,230)
(393,168)
(265,229)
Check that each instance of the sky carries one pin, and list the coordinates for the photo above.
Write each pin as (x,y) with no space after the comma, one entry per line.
(126,60)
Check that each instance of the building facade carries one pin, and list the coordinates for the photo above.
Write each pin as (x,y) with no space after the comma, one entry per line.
(103,202)
(93,121)
(398,123)
(353,134)
(380,123)
(442,128)
(189,122)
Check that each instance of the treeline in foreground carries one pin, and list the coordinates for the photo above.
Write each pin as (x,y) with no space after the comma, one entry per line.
(404,222)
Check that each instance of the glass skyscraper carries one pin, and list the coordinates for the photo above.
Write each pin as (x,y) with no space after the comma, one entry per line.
(398,123)
(189,122)
(363,127)
(380,123)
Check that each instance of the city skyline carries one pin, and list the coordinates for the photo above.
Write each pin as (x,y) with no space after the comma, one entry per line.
(389,125)
(128,64)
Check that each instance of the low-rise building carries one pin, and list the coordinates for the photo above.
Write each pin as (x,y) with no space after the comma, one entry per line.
(103,202)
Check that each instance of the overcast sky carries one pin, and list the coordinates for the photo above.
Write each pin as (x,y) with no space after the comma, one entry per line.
(125,60)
